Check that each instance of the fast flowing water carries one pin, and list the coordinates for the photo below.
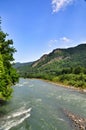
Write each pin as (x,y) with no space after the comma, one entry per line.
(38,105)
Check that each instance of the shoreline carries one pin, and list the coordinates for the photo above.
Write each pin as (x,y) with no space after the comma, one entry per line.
(83,91)
(80,90)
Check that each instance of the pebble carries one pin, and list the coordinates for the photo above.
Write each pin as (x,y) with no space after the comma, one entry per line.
(78,122)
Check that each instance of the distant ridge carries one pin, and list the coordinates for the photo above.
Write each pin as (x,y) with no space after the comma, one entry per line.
(18,64)
(72,53)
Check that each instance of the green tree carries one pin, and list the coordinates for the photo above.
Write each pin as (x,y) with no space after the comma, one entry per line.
(8,75)
(78,70)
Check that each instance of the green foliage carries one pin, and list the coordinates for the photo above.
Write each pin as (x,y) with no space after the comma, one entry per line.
(78,70)
(77,80)
(8,75)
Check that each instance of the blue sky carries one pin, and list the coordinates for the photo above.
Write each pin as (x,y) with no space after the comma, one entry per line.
(37,27)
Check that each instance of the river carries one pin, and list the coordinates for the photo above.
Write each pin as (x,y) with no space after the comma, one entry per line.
(39,105)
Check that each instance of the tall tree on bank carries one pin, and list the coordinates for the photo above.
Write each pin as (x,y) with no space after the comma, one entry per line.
(8,75)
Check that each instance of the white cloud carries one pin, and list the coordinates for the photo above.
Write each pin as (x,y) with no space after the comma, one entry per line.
(59,4)
(62,40)
(65,39)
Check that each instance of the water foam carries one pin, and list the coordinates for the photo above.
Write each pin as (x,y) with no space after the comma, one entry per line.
(19,113)
(14,123)
(18,85)
(15,119)
(61,119)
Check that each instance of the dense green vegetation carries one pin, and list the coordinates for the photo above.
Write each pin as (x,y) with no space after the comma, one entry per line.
(8,75)
(66,66)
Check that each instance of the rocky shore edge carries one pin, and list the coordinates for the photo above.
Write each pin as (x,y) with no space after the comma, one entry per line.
(80,90)
(78,123)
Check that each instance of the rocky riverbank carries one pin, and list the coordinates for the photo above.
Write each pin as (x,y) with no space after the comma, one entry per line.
(78,123)
(83,91)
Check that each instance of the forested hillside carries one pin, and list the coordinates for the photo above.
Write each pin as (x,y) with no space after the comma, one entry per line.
(67,66)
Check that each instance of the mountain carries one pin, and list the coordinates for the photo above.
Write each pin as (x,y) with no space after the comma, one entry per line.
(69,57)
(18,64)
(22,68)
(61,65)
(75,54)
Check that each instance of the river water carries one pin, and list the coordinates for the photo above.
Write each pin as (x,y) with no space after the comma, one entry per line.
(38,105)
